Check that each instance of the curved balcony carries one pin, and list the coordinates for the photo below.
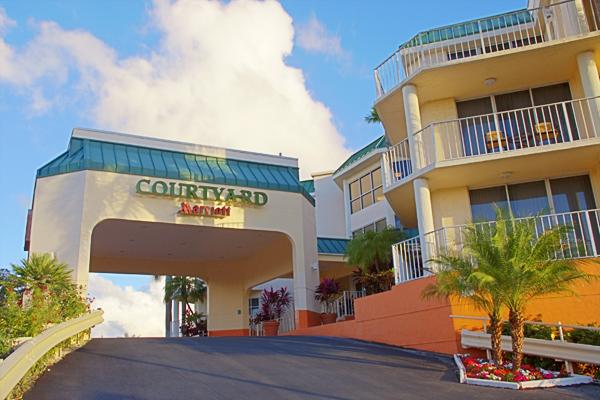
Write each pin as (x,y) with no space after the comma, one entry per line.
(483,36)
(515,132)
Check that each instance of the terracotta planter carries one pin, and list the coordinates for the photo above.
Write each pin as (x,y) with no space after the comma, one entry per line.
(270,328)
(328,318)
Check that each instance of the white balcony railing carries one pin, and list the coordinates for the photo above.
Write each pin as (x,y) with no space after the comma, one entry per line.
(582,241)
(344,305)
(506,31)
(501,132)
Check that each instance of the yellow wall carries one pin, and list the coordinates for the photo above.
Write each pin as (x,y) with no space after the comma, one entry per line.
(451,207)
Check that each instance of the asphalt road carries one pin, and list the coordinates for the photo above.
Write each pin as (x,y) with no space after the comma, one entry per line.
(263,368)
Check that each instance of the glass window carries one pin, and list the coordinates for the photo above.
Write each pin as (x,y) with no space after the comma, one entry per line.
(572,194)
(485,201)
(528,199)
(354,190)
(367,199)
(366,190)
(369,228)
(365,183)
(380,225)
(355,205)
(377,178)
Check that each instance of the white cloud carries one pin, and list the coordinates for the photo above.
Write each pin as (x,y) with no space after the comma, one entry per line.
(217,77)
(127,310)
(312,36)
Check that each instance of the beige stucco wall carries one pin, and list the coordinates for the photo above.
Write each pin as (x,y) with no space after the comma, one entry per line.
(68,207)
(330,217)
(451,207)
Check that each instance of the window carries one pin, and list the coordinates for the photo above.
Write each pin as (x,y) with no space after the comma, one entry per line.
(253,306)
(376,226)
(539,197)
(366,191)
(572,194)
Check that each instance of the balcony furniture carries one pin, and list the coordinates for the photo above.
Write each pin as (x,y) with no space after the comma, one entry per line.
(495,141)
(545,133)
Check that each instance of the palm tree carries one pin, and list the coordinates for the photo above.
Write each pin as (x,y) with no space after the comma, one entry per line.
(186,290)
(522,265)
(454,279)
(373,116)
(371,252)
(41,273)
(508,264)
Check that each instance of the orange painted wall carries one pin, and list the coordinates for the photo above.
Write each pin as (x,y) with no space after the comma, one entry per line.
(401,317)
(229,332)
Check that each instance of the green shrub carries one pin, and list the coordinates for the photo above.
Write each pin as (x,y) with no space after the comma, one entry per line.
(584,336)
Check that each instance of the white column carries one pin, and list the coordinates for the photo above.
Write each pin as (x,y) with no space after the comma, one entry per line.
(588,72)
(412,114)
(424,216)
(176,323)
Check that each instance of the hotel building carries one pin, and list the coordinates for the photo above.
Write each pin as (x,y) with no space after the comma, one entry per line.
(501,110)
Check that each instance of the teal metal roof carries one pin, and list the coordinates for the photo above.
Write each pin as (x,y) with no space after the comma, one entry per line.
(88,154)
(332,245)
(472,27)
(378,143)
(309,185)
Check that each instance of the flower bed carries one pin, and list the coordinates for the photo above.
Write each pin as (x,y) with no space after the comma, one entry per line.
(482,369)
(482,372)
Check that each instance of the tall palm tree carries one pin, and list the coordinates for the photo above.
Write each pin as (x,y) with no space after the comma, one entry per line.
(522,264)
(42,272)
(454,279)
(187,290)
(371,252)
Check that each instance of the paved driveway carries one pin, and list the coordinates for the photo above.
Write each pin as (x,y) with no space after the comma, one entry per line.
(263,368)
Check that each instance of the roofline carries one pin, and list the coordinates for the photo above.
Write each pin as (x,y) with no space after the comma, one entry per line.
(184,147)
(322,173)
(340,175)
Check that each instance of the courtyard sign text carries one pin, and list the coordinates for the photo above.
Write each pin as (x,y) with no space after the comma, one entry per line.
(198,192)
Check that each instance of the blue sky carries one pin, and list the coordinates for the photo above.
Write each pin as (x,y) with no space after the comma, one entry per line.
(339,77)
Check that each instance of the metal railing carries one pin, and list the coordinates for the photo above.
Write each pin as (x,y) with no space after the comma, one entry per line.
(482,36)
(581,241)
(574,351)
(344,305)
(18,363)
(495,133)
(397,164)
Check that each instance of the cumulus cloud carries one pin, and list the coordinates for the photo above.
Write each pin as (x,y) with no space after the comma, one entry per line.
(218,76)
(127,310)
(312,36)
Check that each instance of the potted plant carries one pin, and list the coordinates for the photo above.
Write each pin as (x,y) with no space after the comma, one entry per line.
(326,293)
(273,304)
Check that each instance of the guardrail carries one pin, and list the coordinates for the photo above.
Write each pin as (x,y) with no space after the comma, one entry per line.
(501,132)
(487,35)
(556,349)
(18,363)
(581,241)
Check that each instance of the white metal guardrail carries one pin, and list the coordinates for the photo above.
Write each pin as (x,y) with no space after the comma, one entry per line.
(557,349)
(18,363)
(581,241)
(501,132)
(482,36)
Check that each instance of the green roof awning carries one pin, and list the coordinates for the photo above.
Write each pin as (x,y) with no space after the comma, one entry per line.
(332,245)
(379,143)
(88,154)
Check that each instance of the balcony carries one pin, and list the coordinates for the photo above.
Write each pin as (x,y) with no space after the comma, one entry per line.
(498,135)
(481,37)
(582,241)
